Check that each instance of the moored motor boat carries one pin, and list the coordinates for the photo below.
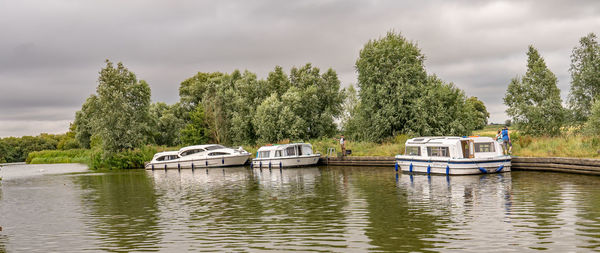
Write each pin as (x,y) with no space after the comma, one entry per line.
(199,156)
(285,155)
(453,156)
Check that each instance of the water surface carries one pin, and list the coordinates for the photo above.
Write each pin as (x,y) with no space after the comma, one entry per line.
(65,208)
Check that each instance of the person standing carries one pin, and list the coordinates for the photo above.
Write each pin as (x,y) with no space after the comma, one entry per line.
(506,144)
(343,145)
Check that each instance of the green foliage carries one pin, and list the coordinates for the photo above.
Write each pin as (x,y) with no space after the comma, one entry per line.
(391,75)
(441,110)
(83,121)
(269,125)
(585,74)
(195,132)
(126,159)
(236,105)
(534,101)
(60,156)
(68,140)
(592,126)
(123,109)
(481,114)
(397,96)
(118,114)
(16,149)
(167,122)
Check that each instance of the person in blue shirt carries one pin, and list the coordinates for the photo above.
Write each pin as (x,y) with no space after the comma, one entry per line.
(506,144)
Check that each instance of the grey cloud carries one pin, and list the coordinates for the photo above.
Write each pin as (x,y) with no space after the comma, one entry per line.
(51,52)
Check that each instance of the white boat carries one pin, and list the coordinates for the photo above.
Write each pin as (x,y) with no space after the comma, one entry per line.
(199,156)
(453,156)
(285,155)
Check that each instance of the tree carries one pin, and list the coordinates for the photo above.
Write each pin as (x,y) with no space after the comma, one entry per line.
(592,126)
(196,132)
(481,114)
(68,140)
(585,77)
(441,109)
(83,121)
(534,101)
(397,96)
(269,128)
(166,123)
(122,119)
(391,75)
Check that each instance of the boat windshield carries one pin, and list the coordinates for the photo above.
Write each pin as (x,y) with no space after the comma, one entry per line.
(213,147)
(191,151)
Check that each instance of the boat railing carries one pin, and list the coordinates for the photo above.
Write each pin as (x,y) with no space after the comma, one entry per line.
(330,152)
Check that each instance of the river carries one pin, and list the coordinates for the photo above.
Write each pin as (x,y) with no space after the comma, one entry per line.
(66,208)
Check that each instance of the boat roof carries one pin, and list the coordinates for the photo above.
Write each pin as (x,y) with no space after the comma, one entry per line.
(204,146)
(446,139)
(282,146)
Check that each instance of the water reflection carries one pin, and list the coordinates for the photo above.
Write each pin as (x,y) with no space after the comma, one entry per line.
(305,209)
(121,208)
(231,208)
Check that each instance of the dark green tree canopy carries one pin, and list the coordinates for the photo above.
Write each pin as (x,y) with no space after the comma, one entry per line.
(534,101)
(118,114)
(397,96)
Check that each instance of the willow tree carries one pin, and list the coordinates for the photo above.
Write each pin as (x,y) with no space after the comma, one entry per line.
(391,75)
(119,113)
(585,77)
(534,101)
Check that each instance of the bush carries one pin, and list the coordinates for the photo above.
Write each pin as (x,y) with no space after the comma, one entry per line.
(128,159)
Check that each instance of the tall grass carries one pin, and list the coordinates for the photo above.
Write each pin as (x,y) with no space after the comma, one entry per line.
(563,146)
(60,156)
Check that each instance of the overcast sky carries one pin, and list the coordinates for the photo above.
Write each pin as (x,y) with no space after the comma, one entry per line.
(51,51)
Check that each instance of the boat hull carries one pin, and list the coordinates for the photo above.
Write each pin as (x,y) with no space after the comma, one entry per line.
(454,166)
(285,162)
(206,162)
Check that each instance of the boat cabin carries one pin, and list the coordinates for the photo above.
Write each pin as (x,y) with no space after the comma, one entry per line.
(166,156)
(453,147)
(285,150)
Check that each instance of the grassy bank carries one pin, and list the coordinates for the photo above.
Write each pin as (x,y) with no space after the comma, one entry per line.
(60,156)
(527,146)
(94,159)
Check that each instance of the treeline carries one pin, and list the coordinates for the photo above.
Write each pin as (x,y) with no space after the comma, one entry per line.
(396,96)
(534,101)
(16,149)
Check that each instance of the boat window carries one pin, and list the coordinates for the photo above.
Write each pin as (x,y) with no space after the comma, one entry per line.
(484,147)
(213,147)
(299,150)
(217,153)
(264,154)
(191,151)
(278,153)
(438,151)
(412,150)
(173,157)
(290,151)
(162,158)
